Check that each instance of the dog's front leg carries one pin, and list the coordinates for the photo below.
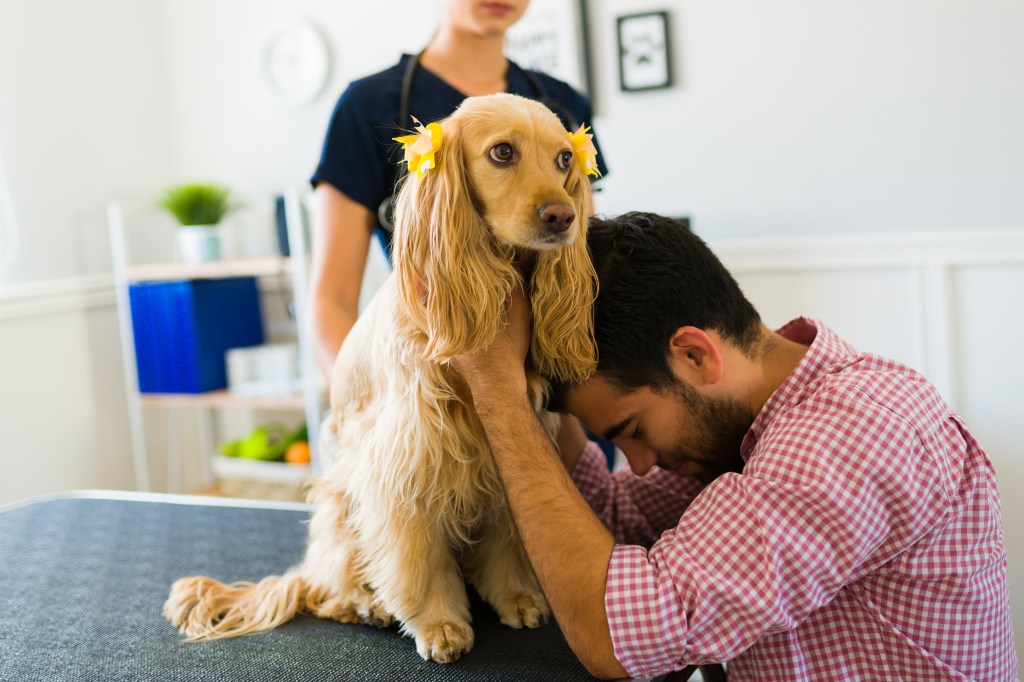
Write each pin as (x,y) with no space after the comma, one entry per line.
(416,577)
(499,569)
(333,568)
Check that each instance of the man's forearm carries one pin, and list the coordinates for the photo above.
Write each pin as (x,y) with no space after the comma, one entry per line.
(568,545)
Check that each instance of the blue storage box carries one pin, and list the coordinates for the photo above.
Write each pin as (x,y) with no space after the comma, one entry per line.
(182,330)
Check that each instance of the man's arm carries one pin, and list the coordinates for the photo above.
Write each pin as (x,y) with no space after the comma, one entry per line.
(567,544)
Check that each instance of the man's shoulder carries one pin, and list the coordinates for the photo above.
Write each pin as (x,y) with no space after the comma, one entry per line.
(870,410)
(873,379)
(861,404)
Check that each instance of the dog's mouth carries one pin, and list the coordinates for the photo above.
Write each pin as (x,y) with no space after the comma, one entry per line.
(547,241)
(532,237)
(541,241)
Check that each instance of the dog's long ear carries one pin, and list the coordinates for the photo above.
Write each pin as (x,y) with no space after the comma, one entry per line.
(443,249)
(563,288)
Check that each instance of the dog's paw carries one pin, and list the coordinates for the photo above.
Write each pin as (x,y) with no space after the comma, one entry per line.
(375,614)
(529,609)
(444,642)
(356,606)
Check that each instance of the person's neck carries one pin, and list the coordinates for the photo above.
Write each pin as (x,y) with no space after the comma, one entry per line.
(778,358)
(472,64)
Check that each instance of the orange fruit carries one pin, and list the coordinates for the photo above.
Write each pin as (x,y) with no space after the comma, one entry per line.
(297,453)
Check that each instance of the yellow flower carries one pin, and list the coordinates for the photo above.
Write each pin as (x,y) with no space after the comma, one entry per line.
(584,150)
(420,148)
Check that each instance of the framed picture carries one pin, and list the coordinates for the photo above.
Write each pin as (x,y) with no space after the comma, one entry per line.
(644,59)
(553,37)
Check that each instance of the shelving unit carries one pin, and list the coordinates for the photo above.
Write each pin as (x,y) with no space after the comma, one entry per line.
(309,402)
(224,398)
(250,267)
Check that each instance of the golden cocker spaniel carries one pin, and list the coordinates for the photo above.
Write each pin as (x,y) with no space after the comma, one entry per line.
(410,494)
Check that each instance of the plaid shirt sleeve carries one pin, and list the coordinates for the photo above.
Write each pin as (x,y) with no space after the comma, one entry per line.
(637,509)
(838,488)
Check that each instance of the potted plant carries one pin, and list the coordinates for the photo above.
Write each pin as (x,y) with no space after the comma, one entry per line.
(198,208)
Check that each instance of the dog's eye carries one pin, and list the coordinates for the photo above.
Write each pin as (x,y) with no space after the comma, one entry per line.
(502,153)
(565,160)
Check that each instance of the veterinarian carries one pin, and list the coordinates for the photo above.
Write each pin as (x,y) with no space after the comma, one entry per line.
(359,165)
(809,512)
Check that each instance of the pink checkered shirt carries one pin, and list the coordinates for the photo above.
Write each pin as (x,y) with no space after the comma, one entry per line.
(862,541)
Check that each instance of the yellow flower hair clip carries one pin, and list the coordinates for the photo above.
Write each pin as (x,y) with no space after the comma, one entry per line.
(584,150)
(420,148)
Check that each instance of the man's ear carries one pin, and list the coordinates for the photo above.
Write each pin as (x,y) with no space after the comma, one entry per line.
(695,357)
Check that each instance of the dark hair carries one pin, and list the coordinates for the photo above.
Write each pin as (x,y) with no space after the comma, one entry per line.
(655,276)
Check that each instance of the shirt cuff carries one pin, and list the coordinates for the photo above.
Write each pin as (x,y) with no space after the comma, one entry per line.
(644,617)
(591,470)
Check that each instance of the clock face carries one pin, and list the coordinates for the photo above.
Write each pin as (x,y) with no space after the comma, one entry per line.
(295,63)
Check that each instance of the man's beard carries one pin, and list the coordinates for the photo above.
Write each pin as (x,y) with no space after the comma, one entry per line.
(723,423)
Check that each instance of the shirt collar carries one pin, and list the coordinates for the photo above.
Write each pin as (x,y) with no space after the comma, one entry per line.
(826,353)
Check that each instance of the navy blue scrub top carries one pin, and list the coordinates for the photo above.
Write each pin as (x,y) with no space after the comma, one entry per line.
(360,159)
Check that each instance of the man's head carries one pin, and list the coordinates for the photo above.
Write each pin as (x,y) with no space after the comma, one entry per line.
(669,319)
(657,276)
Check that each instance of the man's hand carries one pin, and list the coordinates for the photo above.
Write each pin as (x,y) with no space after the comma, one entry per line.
(504,360)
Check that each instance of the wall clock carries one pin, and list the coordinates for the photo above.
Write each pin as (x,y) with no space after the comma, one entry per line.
(295,62)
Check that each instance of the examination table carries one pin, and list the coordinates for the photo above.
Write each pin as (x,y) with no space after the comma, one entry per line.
(83,577)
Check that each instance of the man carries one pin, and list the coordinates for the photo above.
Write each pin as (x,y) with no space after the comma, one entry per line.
(825,515)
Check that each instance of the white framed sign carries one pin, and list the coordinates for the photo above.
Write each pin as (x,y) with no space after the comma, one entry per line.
(552,37)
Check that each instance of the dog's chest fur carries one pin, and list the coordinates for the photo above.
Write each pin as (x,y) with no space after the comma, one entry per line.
(390,400)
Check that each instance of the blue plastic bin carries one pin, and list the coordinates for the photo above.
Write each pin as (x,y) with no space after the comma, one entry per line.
(182,330)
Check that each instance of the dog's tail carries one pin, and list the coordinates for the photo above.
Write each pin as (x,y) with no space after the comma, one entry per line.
(203,608)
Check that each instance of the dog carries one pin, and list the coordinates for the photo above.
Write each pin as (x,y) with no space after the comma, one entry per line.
(410,493)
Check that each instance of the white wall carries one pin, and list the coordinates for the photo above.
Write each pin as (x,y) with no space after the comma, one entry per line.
(226,124)
(82,118)
(801,117)
(63,405)
(790,117)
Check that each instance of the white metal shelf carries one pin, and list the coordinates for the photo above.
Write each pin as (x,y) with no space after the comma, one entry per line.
(260,470)
(247,267)
(223,398)
(310,401)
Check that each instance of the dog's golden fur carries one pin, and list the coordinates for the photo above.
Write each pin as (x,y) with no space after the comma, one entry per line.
(410,492)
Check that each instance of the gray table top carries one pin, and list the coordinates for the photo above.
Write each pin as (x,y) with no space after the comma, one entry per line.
(83,579)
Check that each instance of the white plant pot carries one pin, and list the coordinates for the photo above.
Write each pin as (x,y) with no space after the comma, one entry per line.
(199,243)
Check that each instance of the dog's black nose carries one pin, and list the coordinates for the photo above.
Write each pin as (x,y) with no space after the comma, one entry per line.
(557,217)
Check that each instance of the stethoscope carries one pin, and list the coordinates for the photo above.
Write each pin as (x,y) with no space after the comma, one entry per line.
(386,209)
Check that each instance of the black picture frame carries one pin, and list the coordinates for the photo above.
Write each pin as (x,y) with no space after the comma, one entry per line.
(645,55)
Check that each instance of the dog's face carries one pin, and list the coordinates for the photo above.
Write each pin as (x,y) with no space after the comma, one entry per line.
(506,181)
(518,159)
